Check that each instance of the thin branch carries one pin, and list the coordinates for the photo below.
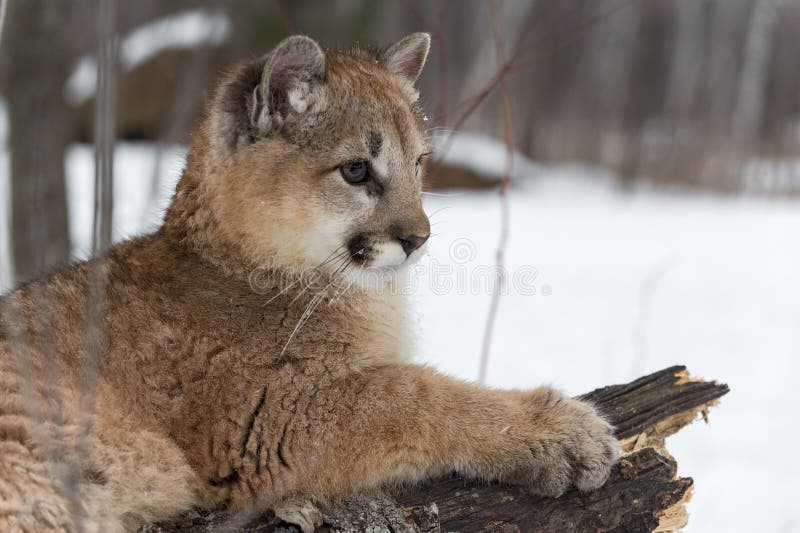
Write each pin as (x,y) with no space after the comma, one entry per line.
(505,210)
(105,126)
(105,133)
(514,64)
(3,6)
(284,18)
(419,14)
(439,34)
(582,30)
(441,55)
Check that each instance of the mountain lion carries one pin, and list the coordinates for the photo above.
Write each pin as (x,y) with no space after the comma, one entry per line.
(207,389)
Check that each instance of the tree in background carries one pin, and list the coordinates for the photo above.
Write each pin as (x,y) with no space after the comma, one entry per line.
(41,43)
(678,92)
(33,74)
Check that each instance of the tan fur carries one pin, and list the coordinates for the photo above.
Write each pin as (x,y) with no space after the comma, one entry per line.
(201,398)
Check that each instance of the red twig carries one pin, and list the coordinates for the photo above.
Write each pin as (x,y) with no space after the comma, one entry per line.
(284,18)
(413,5)
(579,32)
(438,33)
(441,54)
(514,64)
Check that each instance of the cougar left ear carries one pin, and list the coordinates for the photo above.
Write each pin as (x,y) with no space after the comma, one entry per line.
(407,56)
(291,72)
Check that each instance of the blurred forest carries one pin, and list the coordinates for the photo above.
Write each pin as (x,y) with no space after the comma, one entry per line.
(670,93)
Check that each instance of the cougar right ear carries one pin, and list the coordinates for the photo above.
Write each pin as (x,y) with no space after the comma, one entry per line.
(294,68)
(407,56)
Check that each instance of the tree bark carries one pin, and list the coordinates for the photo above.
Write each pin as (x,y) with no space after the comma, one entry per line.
(41,42)
(34,74)
(642,494)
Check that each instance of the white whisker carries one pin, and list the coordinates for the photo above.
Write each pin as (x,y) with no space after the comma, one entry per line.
(310,308)
(292,284)
(340,292)
(313,304)
(444,195)
(439,211)
(334,255)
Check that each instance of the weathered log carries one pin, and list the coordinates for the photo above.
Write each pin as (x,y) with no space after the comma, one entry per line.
(642,494)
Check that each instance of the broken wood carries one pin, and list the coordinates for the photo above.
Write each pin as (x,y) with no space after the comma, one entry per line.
(642,494)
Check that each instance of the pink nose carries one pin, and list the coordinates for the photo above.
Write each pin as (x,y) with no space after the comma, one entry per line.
(412,242)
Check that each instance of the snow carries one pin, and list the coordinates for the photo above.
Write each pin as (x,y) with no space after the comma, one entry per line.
(480,153)
(604,286)
(143,185)
(772,176)
(183,30)
(637,283)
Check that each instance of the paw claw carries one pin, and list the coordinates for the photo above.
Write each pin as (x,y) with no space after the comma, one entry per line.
(580,450)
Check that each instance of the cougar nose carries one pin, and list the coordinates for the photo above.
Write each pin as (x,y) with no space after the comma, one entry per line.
(412,242)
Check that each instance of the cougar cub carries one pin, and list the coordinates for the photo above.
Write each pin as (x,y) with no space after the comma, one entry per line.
(208,391)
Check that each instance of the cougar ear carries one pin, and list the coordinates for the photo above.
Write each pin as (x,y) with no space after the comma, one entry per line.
(407,56)
(291,72)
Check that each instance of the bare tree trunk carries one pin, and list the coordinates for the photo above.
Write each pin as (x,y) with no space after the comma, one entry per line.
(34,73)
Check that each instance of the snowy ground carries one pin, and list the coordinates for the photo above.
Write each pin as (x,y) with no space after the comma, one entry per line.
(603,287)
(637,283)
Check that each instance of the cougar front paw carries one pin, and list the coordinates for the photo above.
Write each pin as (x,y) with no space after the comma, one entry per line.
(562,442)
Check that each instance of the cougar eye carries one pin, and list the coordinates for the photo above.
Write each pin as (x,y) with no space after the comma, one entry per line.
(355,172)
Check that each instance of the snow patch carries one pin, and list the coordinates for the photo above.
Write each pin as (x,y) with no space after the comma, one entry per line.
(184,30)
(772,176)
(143,185)
(481,154)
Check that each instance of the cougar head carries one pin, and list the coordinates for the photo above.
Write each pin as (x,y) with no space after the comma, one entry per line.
(319,157)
